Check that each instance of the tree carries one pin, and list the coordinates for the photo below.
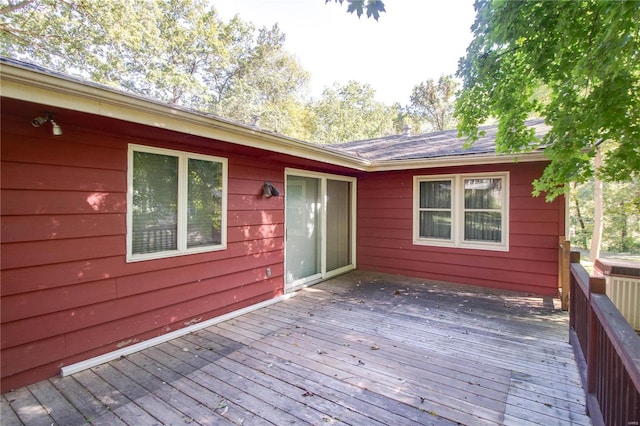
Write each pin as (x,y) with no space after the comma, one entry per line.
(622,217)
(174,51)
(256,78)
(434,102)
(406,121)
(577,217)
(598,218)
(586,55)
(350,112)
(620,212)
(372,7)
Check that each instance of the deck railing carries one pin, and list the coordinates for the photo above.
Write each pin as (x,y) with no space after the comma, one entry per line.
(607,349)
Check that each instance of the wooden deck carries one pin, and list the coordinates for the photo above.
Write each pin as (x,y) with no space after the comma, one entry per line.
(360,349)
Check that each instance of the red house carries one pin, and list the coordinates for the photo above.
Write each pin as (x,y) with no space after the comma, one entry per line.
(126,222)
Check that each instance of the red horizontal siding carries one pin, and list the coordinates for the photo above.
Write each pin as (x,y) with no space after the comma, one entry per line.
(546,216)
(255,217)
(533,228)
(97,151)
(499,277)
(71,273)
(24,358)
(24,202)
(366,204)
(51,178)
(469,259)
(31,362)
(70,318)
(35,253)
(381,212)
(68,292)
(42,302)
(385,234)
(122,332)
(51,227)
(383,222)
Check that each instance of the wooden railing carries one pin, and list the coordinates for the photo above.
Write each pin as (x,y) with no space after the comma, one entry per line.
(607,350)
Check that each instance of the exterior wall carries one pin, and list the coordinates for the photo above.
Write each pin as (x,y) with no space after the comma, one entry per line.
(385,238)
(67,292)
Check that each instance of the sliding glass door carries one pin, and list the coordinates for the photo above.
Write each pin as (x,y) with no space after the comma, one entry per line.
(320,228)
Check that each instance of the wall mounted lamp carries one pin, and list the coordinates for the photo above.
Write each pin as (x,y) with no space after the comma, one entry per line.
(47,116)
(269,190)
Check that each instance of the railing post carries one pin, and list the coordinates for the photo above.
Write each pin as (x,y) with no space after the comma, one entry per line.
(564,271)
(574,257)
(597,285)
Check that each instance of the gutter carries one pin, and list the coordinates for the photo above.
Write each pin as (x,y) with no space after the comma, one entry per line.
(35,84)
(23,83)
(455,160)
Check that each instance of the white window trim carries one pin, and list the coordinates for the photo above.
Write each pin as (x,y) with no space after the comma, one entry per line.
(182,249)
(457,212)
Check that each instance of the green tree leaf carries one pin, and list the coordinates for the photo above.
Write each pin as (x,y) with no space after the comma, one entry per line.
(350,112)
(585,55)
(434,102)
(174,51)
(373,7)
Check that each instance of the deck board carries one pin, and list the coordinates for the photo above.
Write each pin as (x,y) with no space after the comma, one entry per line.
(378,359)
(359,349)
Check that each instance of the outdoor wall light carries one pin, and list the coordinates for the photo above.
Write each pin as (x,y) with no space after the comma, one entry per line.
(47,116)
(269,190)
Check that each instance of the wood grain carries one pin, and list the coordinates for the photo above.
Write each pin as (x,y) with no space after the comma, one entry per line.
(359,349)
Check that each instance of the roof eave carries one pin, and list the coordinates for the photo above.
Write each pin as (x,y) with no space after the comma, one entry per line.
(56,91)
(455,161)
(69,93)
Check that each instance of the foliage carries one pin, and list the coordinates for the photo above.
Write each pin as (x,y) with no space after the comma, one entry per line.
(350,112)
(586,55)
(174,51)
(621,208)
(406,121)
(434,102)
(373,7)
(257,79)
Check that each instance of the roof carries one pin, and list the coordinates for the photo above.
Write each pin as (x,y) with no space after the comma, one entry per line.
(444,143)
(32,83)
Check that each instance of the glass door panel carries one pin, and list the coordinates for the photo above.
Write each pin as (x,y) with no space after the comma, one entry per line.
(303,229)
(338,224)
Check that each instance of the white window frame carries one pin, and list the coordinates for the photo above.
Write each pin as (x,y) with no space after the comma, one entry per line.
(458,212)
(183,159)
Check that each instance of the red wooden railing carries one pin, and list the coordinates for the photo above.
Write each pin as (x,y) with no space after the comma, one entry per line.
(607,349)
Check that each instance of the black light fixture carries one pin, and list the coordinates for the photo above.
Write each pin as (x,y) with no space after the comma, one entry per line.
(269,190)
(47,116)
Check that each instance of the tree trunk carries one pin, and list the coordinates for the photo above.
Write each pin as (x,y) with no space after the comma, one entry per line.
(624,246)
(598,222)
(576,201)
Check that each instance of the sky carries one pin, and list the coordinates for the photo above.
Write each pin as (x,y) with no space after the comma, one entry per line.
(414,41)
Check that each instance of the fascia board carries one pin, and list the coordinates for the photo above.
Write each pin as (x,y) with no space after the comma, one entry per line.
(455,161)
(64,92)
(24,84)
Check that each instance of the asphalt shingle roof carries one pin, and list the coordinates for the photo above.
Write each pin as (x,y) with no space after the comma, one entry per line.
(389,148)
(428,145)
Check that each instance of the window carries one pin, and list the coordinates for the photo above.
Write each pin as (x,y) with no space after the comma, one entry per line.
(468,211)
(177,203)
